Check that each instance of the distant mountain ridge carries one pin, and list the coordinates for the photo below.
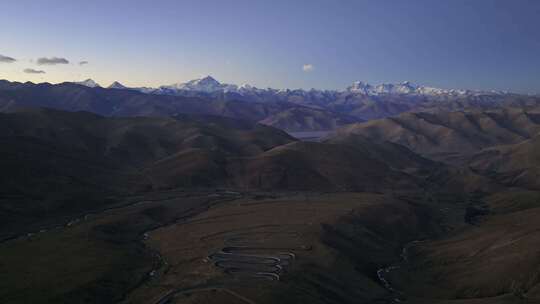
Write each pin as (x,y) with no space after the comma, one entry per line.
(290,110)
(120,101)
(361,100)
(209,84)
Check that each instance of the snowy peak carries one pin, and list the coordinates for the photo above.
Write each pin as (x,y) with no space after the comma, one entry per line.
(88,83)
(207,85)
(360,87)
(117,85)
(207,81)
(385,88)
(401,88)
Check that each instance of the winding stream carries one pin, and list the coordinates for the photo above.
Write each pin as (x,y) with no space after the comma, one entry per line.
(383,272)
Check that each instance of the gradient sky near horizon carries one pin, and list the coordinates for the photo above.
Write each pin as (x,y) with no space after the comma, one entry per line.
(327,44)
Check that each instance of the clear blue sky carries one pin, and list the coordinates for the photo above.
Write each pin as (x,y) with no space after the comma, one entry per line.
(478,44)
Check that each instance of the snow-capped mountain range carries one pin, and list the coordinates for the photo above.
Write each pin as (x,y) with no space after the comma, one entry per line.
(411,89)
(291,110)
(209,85)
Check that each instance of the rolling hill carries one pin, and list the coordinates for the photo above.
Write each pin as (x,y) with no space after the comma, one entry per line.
(64,163)
(514,165)
(320,167)
(451,135)
(61,163)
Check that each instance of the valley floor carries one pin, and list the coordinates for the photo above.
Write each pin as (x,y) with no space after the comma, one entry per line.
(230,247)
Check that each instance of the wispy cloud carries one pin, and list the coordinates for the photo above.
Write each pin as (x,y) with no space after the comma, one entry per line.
(308,67)
(32,71)
(83,62)
(52,61)
(6,59)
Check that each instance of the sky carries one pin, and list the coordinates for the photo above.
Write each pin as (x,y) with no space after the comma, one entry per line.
(325,44)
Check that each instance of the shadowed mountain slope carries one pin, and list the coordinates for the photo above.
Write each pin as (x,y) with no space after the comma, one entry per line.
(494,262)
(320,166)
(54,161)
